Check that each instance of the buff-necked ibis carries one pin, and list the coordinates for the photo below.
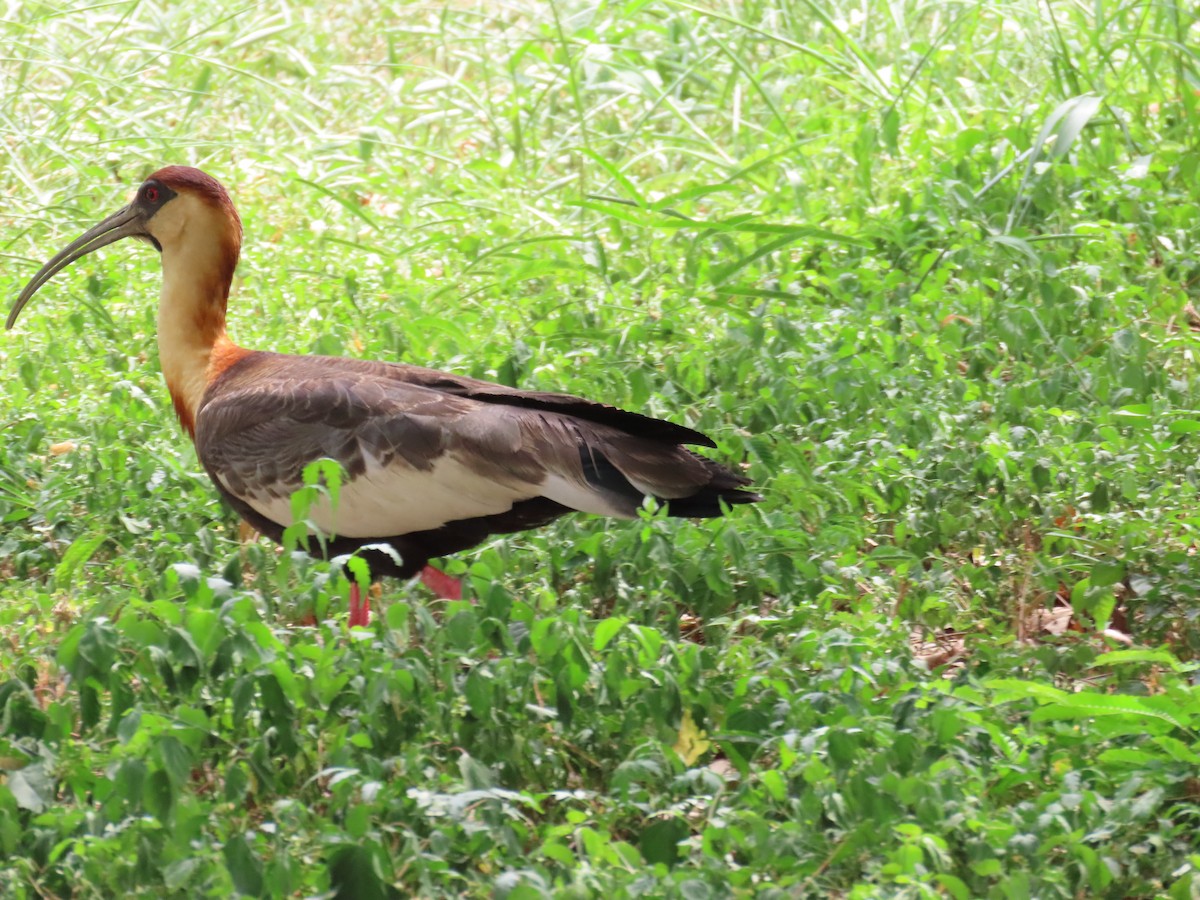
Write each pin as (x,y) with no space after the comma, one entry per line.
(435,462)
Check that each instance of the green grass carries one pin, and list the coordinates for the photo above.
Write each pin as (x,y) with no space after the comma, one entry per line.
(925,269)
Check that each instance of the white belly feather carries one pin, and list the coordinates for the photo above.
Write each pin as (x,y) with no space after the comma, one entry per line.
(399,499)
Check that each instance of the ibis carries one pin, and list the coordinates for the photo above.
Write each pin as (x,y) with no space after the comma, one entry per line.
(435,463)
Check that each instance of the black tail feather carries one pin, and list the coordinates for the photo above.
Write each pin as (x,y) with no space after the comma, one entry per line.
(709,503)
(722,487)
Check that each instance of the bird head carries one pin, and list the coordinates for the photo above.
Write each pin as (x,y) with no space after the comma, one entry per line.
(175,210)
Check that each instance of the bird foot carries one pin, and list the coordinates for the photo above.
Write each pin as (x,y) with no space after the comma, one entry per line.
(360,606)
(447,587)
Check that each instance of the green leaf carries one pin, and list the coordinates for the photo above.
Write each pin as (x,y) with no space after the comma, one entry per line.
(32,787)
(1073,114)
(475,775)
(237,782)
(80,551)
(1089,705)
(353,874)
(461,629)
(659,842)
(606,630)
(1178,750)
(987,868)
(1015,243)
(1065,122)
(1106,574)
(175,758)
(775,784)
(244,867)
(954,886)
(1014,689)
(179,874)
(616,175)
(478,691)
(159,795)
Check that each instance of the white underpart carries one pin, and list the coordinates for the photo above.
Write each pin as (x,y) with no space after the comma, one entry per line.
(579,496)
(399,499)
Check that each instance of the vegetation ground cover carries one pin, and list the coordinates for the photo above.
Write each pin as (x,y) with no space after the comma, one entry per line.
(925,269)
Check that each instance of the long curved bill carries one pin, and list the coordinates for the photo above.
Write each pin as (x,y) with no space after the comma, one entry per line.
(127,222)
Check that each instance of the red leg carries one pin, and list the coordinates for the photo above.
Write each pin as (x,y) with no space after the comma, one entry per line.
(360,606)
(447,587)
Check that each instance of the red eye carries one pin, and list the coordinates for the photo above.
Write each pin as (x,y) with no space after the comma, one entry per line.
(151,195)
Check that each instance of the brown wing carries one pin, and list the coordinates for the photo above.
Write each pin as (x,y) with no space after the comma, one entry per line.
(426,451)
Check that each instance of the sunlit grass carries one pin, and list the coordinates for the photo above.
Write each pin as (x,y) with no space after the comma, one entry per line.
(948,334)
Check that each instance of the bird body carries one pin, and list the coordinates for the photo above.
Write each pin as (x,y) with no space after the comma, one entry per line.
(435,462)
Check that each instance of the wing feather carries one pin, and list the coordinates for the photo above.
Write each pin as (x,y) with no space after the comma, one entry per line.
(425,449)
